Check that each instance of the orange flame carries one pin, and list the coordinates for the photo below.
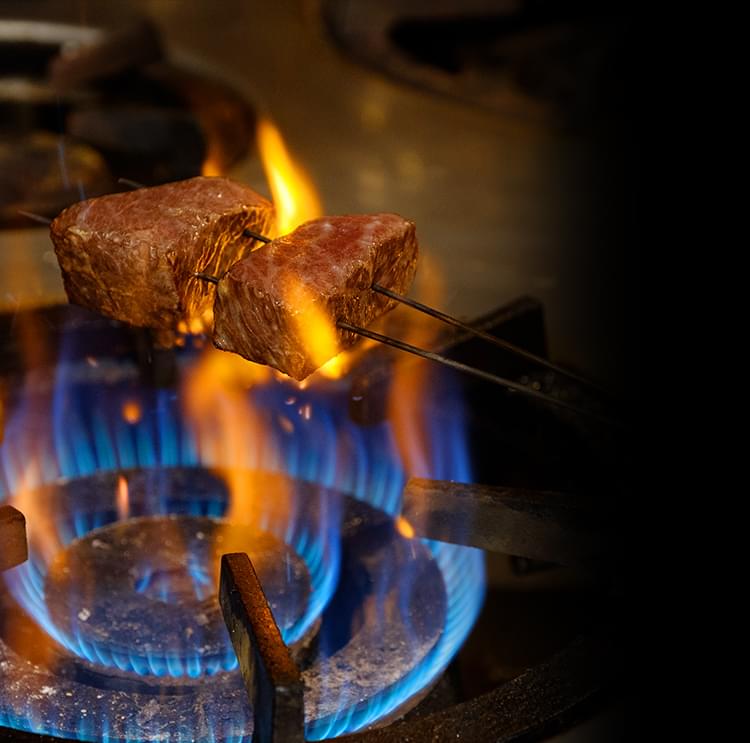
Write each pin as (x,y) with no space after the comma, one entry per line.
(26,288)
(296,200)
(294,195)
(131,412)
(412,378)
(336,367)
(313,326)
(228,427)
(44,541)
(340,365)
(123,499)
(404,528)
(40,528)
(211,166)
(217,404)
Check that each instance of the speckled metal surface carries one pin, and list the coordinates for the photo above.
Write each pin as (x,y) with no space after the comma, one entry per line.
(541,702)
(102,591)
(375,654)
(272,678)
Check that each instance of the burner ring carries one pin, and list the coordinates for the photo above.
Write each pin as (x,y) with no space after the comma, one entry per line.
(140,595)
(393,619)
(298,519)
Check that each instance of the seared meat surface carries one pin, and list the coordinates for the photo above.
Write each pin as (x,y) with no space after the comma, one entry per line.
(131,256)
(280,304)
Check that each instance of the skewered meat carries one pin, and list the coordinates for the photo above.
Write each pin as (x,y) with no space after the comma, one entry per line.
(132,256)
(277,305)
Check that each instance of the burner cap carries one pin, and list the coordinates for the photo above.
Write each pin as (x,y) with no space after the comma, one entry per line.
(140,595)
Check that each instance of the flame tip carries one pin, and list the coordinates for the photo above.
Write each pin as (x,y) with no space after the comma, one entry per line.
(132,412)
(404,528)
(123,498)
(294,195)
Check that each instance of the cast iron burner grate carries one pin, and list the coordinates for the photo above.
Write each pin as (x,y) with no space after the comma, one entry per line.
(540,701)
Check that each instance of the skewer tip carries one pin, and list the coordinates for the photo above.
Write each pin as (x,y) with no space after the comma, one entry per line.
(35,217)
(130,184)
(247,232)
(206,277)
(487,376)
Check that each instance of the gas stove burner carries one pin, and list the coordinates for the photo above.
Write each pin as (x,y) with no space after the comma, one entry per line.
(140,595)
(398,609)
(96,439)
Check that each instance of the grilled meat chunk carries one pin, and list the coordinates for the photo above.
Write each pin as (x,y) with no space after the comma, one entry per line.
(280,305)
(131,256)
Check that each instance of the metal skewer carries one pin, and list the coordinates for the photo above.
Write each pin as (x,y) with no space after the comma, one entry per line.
(255,235)
(207,277)
(487,376)
(131,184)
(36,217)
(450,320)
(431,355)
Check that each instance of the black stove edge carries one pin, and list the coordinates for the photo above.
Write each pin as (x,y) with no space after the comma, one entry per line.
(541,702)
(8,735)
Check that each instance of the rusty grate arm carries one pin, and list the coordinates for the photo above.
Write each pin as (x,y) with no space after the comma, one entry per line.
(13,547)
(562,528)
(272,678)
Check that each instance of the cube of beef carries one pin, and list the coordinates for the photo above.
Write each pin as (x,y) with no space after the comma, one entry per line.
(131,256)
(280,305)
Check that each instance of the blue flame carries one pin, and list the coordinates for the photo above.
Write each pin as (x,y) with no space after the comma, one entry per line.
(95,438)
(463,572)
(88,435)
